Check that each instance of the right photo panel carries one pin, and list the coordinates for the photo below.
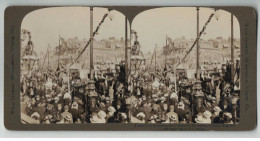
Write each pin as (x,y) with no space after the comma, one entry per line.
(185,65)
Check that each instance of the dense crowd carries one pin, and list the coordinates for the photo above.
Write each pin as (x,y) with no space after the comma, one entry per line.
(51,96)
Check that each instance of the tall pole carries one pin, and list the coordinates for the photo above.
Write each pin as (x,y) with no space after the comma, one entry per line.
(232,49)
(155,58)
(198,64)
(91,44)
(166,53)
(48,56)
(59,53)
(126,52)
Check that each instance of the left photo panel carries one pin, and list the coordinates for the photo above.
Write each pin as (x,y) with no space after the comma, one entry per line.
(61,50)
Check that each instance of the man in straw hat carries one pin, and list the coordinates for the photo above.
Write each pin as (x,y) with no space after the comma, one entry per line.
(228,118)
(140,118)
(172,116)
(207,115)
(200,119)
(111,114)
(66,113)
(96,119)
(216,112)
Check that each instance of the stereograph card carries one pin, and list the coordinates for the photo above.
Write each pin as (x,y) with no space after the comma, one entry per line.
(160,68)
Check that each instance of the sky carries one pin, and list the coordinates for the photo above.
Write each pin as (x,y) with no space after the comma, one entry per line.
(152,26)
(47,24)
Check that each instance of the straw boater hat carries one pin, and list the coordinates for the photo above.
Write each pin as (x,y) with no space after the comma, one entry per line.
(217,109)
(102,114)
(228,115)
(56,99)
(200,119)
(67,95)
(124,115)
(162,98)
(141,114)
(107,98)
(35,115)
(174,95)
(94,119)
(207,114)
(154,95)
(67,117)
(111,109)
(213,99)
(172,117)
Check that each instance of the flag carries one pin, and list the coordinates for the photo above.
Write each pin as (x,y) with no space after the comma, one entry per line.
(171,43)
(170,47)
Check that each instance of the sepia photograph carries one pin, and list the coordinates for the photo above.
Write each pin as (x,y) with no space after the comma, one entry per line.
(167,65)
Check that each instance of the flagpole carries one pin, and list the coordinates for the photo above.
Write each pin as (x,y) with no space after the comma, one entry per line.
(59,54)
(175,81)
(127,55)
(232,49)
(68,80)
(155,58)
(166,53)
(48,58)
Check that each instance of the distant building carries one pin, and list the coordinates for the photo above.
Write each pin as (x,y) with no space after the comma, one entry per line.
(110,50)
(215,51)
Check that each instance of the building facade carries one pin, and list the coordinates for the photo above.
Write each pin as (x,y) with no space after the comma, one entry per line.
(109,50)
(212,51)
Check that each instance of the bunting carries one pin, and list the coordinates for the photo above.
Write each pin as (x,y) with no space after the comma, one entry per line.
(194,43)
(94,33)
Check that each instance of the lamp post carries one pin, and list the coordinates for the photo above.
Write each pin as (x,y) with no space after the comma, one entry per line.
(127,52)
(91,43)
(197,94)
(91,95)
(197,98)
(198,64)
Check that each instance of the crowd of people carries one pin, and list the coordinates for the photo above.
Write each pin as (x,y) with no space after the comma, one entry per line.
(147,97)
